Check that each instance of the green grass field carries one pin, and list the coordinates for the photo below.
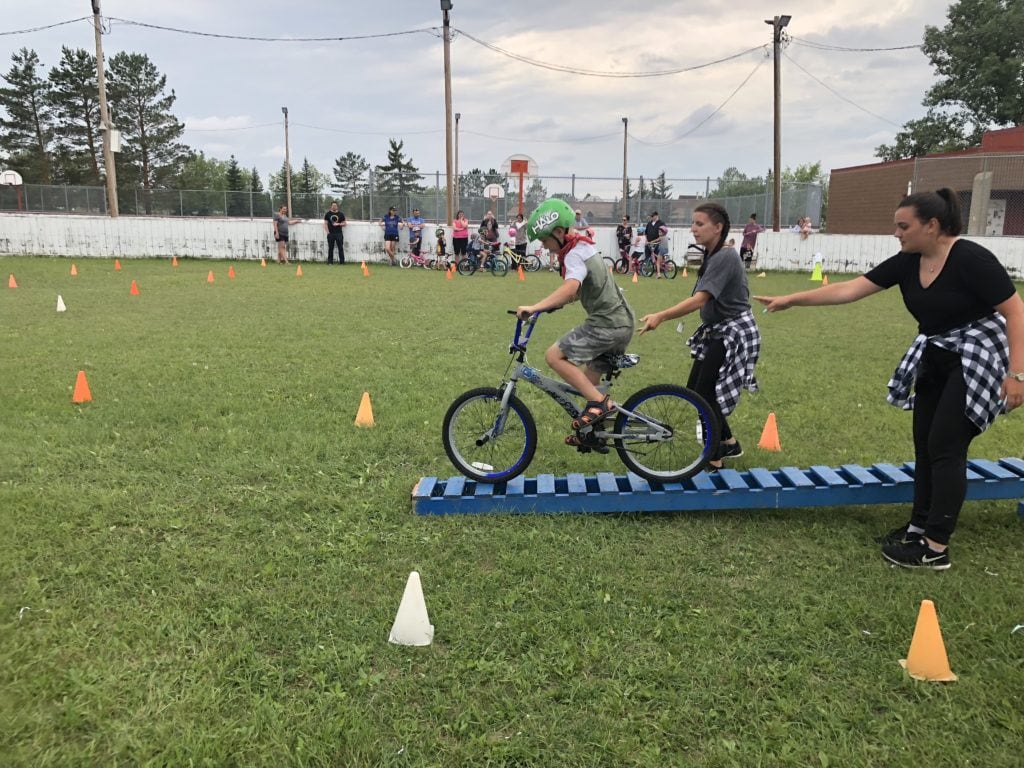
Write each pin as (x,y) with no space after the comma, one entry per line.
(201,566)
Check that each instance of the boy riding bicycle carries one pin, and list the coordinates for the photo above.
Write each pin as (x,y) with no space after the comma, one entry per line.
(586,352)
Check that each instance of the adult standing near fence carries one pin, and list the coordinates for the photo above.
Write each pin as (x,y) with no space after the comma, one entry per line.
(489,229)
(749,242)
(522,237)
(334,226)
(415,224)
(390,223)
(656,233)
(581,225)
(624,236)
(460,235)
(726,345)
(965,366)
(281,223)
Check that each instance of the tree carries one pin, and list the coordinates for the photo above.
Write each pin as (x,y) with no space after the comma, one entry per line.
(236,187)
(535,193)
(472,184)
(261,202)
(74,97)
(400,176)
(151,153)
(198,171)
(733,183)
(978,57)
(350,175)
(660,189)
(26,133)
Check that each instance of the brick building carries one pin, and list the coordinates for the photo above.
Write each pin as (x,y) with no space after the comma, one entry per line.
(862,198)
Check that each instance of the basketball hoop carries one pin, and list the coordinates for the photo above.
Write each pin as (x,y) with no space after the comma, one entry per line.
(494,193)
(521,166)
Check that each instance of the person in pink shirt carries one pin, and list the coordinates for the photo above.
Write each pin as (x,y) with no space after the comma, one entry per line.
(460,235)
(750,233)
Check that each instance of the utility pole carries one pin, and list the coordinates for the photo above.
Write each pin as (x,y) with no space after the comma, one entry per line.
(108,153)
(777,23)
(287,164)
(625,178)
(458,192)
(446,6)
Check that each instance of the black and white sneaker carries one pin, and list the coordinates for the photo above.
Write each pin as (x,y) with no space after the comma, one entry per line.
(730,451)
(898,536)
(916,554)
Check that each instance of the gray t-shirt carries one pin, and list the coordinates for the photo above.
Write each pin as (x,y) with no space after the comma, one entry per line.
(726,281)
(282,225)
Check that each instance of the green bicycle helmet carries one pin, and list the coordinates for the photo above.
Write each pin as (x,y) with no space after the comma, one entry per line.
(548,215)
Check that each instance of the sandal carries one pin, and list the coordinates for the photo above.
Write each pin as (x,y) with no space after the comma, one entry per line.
(587,443)
(595,412)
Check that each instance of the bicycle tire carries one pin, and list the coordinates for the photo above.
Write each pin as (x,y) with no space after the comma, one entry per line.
(405,262)
(669,269)
(682,411)
(499,267)
(466,267)
(609,262)
(622,266)
(470,416)
(532,263)
(428,263)
(647,268)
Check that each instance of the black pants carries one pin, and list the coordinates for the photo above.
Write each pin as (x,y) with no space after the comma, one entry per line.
(942,436)
(703,378)
(335,238)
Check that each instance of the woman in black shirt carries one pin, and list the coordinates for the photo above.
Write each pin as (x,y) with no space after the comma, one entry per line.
(966,365)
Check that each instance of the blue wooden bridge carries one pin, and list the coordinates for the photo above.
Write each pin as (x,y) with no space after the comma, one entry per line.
(788,487)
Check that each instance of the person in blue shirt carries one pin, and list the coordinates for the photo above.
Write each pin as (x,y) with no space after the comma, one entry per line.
(390,224)
(415,224)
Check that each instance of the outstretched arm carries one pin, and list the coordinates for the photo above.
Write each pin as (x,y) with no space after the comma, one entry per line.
(559,297)
(684,307)
(837,293)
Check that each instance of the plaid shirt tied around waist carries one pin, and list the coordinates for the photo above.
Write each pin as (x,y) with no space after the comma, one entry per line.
(984,355)
(742,348)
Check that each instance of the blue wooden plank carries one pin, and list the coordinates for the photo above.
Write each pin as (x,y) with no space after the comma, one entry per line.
(733,480)
(764,479)
(424,488)
(796,477)
(828,476)
(990,469)
(859,474)
(454,486)
(702,482)
(638,484)
(1014,464)
(483,490)
(606,483)
(577,484)
(545,485)
(891,473)
(516,486)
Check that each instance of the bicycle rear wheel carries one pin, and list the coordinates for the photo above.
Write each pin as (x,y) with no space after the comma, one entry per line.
(669,268)
(499,267)
(479,446)
(405,262)
(647,267)
(622,265)
(532,263)
(669,434)
(467,266)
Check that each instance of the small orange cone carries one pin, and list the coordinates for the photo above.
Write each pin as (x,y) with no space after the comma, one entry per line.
(364,418)
(117,265)
(926,659)
(231,271)
(635,278)
(522,275)
(824,279)
(74,270)
(298,271)
(209,276)
(263,262)
(448,274)
(11,282)
(770,435)
(684,272)
(82,393)
(174,261)
(366,270)
(135,289)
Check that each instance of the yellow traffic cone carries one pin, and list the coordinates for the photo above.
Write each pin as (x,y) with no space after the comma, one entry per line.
(364,418)
(927,658)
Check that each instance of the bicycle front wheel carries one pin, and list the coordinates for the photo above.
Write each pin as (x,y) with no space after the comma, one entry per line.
(499,267)
(668,434)
(532,263)
(467,267)
(484,443)
(647,267)
(405,262)
(669,268)
(622,266)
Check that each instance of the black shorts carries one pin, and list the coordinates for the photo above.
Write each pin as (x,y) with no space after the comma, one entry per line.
(459,244)
(390,238)
(281,238)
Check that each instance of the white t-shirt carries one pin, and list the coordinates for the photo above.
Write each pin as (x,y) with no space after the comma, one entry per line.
(575,261)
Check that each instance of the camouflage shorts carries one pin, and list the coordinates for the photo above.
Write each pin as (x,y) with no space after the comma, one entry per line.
(594,346)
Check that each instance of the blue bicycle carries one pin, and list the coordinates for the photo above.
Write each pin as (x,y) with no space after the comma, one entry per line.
(663,433)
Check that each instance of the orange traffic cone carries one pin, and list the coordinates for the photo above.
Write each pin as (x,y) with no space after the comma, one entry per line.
(11,282)
(174,261)
(263,262)
(824,279)
(74,270)
(448,274)
(926,659)
(231,271)
(298,271)
(209,276)
(366,270)
(522,275)
(770,435)
(684,272)
(364,418)
(135,289)
(635,278)
(117,265)
(82,393)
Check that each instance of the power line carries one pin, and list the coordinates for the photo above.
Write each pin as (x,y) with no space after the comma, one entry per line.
(48,26)
(827,47)
(702,122)
(239,128)
(598,73)
(829,88)
(268,39)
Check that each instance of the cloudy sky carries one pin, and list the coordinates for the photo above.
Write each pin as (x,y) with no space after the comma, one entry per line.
(352,95)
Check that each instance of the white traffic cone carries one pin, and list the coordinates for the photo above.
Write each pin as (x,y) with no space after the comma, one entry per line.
(60,304)
(412,624)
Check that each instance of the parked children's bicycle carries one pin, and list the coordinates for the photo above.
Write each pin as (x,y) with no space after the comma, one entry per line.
(416,260)
(530,262)
(645,265)
(663,433)
(484,259)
